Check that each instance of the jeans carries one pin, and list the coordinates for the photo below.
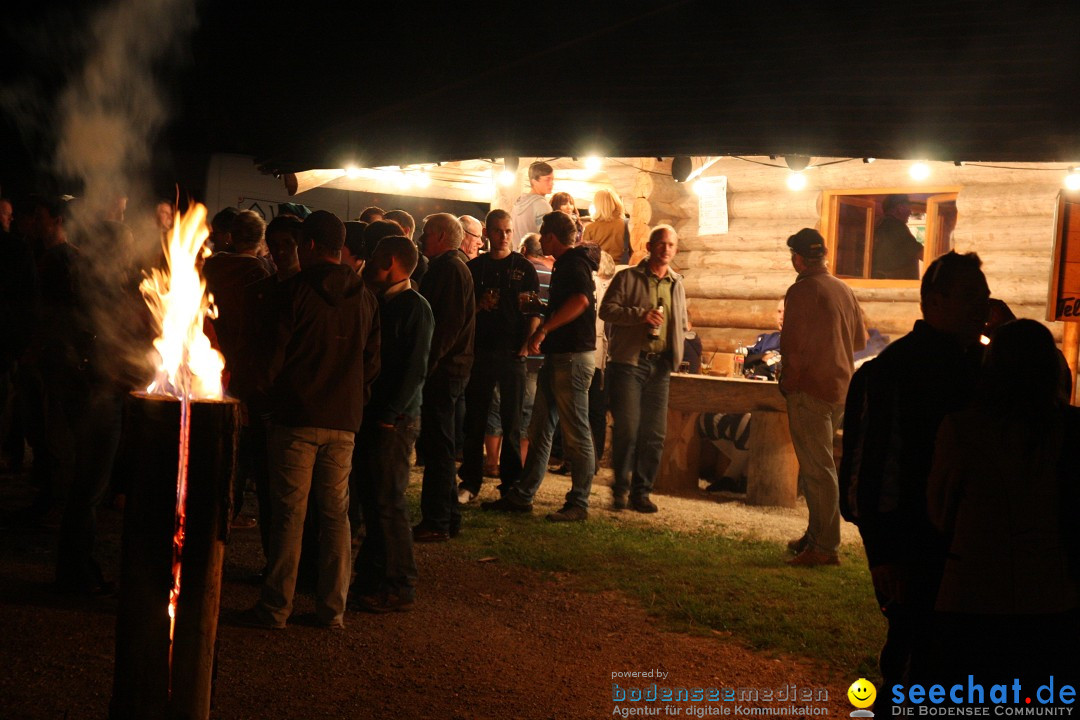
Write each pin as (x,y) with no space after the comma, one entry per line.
(813,424)
(509,373)
(639,402)
(307,461)
(562,392)
(598,409)
(438,424)
(385,562)
(252,465)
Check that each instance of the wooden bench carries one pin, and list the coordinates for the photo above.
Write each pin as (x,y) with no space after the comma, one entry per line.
(773,470)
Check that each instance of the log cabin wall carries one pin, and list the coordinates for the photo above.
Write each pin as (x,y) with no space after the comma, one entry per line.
(733,281)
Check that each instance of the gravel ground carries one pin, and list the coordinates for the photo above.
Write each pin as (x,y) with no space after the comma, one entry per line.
(483,641)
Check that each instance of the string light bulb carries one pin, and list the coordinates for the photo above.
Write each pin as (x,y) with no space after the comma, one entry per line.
(593,163)
(796,181)
(423,180)
(1072,180)
(919,171)
(352,172)
(507,178)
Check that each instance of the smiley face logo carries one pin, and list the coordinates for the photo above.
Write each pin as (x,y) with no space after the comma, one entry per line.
(862,693)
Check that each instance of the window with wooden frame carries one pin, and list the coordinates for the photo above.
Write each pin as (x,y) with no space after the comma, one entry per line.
(866,248)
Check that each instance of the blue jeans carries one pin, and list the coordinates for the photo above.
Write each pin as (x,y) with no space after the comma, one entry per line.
(385,562)
(509,373)
(813,424)
(562,392)
(639,405)
(307,461)
(438,428)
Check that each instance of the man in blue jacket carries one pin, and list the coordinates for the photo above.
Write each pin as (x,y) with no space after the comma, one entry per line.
(385,567)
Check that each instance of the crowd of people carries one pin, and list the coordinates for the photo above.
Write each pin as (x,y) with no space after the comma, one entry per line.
(353,344)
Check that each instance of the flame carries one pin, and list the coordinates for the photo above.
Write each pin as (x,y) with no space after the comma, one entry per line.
(187,366)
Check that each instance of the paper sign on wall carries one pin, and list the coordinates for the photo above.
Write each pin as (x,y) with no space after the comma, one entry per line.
(712,205)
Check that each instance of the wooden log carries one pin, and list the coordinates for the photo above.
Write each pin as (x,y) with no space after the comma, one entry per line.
(710,283)
(695,393)
(801,209)
(661,188)
(147,683)
(1008,200)
(753,234)
(755,313)
(679,463)
(999,233)
(737,260)
(773,470)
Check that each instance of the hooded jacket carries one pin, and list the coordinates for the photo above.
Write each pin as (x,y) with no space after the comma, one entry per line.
(528,211)
(325,353)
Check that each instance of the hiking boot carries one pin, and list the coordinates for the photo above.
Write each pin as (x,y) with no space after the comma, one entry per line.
(643,505)
(798,544)
(424,534)
(505,504)
(812,558)
(381,603)
(619,501)
(569,513)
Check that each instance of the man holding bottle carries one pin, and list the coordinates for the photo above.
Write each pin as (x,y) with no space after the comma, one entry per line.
(646,310)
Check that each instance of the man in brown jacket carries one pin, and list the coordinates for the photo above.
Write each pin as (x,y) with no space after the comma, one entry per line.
(823,327)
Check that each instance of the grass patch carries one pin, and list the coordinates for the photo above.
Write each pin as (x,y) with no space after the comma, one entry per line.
(702,582)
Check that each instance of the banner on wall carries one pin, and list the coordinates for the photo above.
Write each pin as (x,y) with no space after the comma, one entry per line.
(712,205)
(1064,301)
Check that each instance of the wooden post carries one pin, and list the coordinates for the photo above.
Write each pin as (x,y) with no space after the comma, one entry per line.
(773,467)
(1070,347)
(145,685)
(679,465)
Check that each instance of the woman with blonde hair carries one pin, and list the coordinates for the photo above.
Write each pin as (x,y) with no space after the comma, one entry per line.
(608,229)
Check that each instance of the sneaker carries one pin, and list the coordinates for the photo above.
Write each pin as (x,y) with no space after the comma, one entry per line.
(643,505)
(251,618)
(812,558)
(798,544)
(505,504)
(619,501)
(569,513)
(465,496)
(381,603)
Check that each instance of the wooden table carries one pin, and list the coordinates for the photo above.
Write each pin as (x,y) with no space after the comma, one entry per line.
(773,470)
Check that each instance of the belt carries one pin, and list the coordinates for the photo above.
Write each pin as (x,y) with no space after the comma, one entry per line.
(652,355)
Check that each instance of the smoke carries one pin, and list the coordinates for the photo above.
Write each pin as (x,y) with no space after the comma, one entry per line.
(113,107)
(92,106)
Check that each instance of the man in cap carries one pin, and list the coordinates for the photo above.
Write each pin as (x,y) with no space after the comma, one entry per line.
(823,327)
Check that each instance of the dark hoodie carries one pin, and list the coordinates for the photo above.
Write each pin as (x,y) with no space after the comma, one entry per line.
(572,275)
(326,349)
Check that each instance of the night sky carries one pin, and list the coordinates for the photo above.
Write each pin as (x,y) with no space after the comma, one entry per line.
(309,84)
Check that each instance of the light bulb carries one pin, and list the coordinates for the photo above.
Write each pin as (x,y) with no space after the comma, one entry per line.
(1072,180)
(507,178)
(796,181)
(593,163)
(919,171)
